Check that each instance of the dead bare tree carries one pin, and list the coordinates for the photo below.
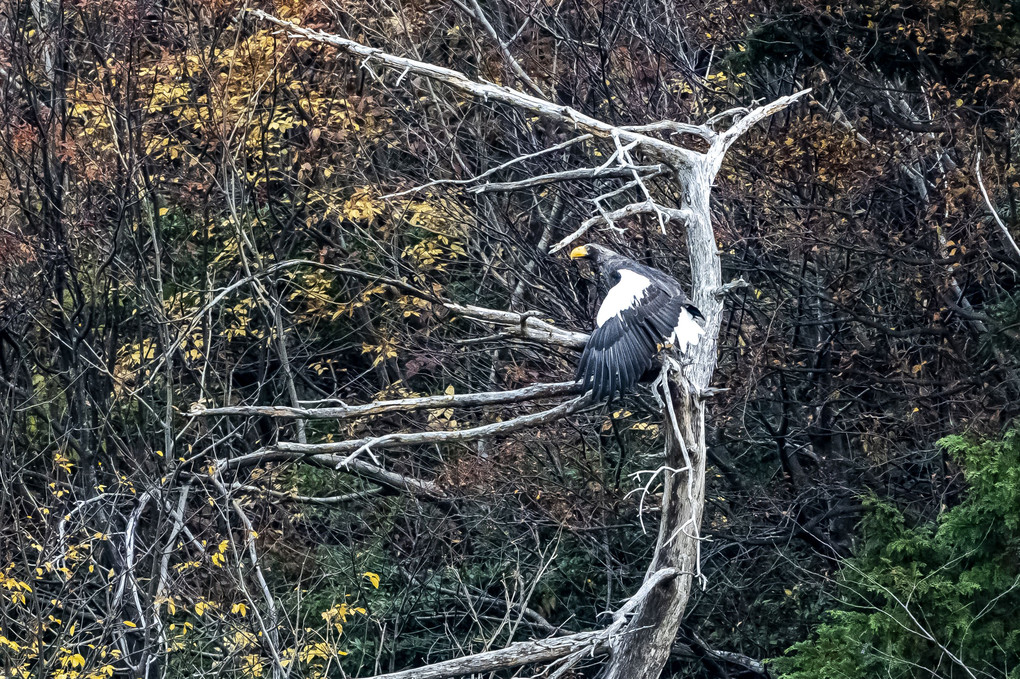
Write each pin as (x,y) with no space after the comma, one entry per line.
(639,639)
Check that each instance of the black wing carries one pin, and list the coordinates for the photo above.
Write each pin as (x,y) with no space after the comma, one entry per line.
(622,348)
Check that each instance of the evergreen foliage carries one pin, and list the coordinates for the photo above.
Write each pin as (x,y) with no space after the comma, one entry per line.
(935,599)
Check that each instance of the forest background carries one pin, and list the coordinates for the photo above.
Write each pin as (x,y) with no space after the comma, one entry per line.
(198,211)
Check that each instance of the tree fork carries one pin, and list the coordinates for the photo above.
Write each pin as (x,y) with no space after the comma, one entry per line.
(641,641)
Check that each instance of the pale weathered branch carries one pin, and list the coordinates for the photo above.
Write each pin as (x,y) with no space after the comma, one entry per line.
(327,501)
(645,207)
(727,288)
(745,661)
(490,171)
(647,171)
(673,126)
(487,91)
(750,664)
(344,454)
(485,398)
(514,655)
(991,208)
(524,325)
(728,113)
(428,490)
(541,650)
(401,439)
(742,125)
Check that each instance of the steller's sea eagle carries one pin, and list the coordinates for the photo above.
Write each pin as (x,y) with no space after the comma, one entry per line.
(644,310)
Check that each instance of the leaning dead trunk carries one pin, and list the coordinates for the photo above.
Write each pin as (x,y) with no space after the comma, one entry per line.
(643,646)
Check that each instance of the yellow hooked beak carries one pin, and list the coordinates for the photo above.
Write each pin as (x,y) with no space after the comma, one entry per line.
(579,251)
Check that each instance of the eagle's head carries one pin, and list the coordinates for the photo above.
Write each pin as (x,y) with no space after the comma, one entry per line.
(596,254)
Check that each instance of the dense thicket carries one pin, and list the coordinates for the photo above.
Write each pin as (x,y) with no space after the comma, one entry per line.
(198,211)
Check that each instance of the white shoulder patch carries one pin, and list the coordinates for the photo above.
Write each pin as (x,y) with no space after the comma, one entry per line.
(687,332)
(623,295)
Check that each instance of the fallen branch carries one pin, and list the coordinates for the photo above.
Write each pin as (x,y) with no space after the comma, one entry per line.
(514,655)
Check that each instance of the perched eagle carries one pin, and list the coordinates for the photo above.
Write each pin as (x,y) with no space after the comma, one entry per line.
(644,310)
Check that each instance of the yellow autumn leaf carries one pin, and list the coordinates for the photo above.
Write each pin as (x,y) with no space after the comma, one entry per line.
(128,623)
(373,578)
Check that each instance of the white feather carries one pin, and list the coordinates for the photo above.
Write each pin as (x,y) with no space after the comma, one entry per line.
(687,332)
(622,296)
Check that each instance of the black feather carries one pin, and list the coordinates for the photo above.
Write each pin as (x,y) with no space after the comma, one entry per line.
(611,371)
(605,385)
(623,361)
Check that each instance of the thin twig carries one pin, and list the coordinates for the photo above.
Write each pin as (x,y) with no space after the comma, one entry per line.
(991,208)
(504,49)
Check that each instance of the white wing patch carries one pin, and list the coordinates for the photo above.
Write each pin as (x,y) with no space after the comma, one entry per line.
(623,295)
(687,332)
